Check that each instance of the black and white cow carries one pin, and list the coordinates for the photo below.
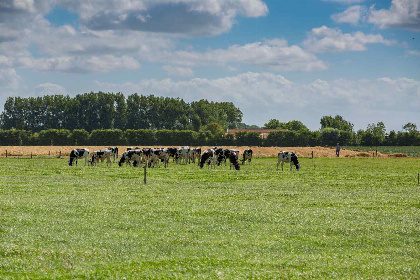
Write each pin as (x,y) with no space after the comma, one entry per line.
(288,157)
(134,156)
(183,153)
(195,154)
(157,156)
(164,156)
(101,155)
(224,155)
(209,156)
(234,159)
(114,152)
(247,156)
(219,154)
(78,153)
(172,152)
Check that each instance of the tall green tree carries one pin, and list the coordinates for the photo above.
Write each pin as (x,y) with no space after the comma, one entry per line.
(120,116)
(337,122)
(273,124)
(410,127)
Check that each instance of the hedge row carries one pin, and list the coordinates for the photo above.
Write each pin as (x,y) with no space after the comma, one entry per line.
(145,137)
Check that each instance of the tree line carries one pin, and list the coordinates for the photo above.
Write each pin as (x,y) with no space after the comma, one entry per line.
(111,119)
(338,130)
(90,111)
(209,137)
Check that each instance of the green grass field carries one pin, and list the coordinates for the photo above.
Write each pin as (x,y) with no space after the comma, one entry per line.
(336,218)
(412,151)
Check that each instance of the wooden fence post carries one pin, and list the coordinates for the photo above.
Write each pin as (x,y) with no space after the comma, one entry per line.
(145,172)
(312,154)
(6,153)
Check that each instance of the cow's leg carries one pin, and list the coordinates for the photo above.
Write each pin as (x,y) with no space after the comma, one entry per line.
(282,163)
(278,163)
(291,165)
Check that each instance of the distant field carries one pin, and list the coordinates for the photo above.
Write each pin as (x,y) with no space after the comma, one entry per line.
(352,218)
(412,151)
(355,152)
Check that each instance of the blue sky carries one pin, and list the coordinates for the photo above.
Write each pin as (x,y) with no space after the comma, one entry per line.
(281,59)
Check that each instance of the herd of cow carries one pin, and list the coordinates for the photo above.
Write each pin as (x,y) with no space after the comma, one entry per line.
(152,157)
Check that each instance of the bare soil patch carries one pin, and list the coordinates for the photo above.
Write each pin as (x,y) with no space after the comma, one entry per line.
(258,151)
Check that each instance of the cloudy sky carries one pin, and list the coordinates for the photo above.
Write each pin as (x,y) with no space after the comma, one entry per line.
(274,59)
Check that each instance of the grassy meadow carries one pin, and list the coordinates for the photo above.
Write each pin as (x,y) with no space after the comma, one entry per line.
(412,151)
(336,218)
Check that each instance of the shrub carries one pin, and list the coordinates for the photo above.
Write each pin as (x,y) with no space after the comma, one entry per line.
(140,137)
(106,137)
(53,137)
(79,137)
(14,137)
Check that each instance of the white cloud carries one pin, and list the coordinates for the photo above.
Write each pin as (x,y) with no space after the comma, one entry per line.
(411,52)
(183,72)
(401,14)
(182,17)
(263,96)
(66,49)
(10,83)
(351,15)
(49,89)
(273,54)
(9,79)
(95,64)
(325,39)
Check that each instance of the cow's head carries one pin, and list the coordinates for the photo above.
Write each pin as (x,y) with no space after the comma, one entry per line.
(122,159)
(73,156)
(295,161)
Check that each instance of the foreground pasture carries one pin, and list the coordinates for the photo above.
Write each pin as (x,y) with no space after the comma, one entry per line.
(336,218)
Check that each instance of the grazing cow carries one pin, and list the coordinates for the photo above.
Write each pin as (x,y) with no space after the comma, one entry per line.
(247,156)
(157,156)
(195,153)
(223,155)
(78,153)
(164,156)
(183,153)
(114,152)
(218,151)
(172,152)
(151,156)
(101,155)
(288,157)
(131,155)
(233,158)
(209,157)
